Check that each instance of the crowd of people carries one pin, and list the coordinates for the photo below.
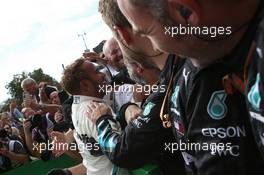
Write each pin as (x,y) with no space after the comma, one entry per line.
(191,104)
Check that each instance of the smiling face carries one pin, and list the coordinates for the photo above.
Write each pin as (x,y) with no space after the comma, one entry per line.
(93,74)
(113,54)
(54,97)
(93,78)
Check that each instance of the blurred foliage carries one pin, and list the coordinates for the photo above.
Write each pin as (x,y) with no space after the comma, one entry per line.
(15,90)
(5,105)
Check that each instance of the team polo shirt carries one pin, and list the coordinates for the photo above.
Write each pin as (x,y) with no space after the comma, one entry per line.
(212,127)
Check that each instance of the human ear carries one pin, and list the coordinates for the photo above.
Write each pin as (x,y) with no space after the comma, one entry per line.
(190,10)
(123,35)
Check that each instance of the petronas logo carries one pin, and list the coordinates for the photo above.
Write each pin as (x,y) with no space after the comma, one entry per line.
(254,97)
(148,108)
(217,108)
(175,95)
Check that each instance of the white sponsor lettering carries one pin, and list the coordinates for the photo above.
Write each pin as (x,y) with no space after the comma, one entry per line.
(174,110)
(229,132)
(188,158)
(257,116)
(231,150)
(259,51)
(185,75)
(262,138)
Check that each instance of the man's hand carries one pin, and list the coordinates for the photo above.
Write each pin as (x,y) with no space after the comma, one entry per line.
(60,143)
(94,57)
(42,84)
(58,117)
(89,55)
(132,112)
(96,110)
(31,103)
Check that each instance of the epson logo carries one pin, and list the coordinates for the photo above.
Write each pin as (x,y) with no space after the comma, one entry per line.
(229,132)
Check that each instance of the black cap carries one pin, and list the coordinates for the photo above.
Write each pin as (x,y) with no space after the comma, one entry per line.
(49,89)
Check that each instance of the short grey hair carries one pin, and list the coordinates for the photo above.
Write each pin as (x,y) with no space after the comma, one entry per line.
(27,81)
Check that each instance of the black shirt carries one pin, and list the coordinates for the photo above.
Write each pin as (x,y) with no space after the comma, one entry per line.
(255,84)
(212,124)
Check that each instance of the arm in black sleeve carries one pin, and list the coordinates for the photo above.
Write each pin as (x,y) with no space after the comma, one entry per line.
(138,144)
(122,113)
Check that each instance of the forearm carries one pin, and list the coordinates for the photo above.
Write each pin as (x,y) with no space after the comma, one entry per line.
(140,142)
(29,142)
(74,155)
(21,158)
(78,170)
(107,136)
(51,108)
(69,136)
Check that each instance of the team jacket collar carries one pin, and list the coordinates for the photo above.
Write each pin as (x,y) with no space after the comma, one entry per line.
(80,98)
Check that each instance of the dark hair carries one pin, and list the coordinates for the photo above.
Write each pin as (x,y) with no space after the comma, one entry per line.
(3,133)
(72,76)
(49,89)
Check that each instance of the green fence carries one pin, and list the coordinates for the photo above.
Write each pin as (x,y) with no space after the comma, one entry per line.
(40,167)
(149,169)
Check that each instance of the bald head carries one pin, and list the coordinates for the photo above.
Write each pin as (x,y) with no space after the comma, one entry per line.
(113,54)
(29,85)
(109,44)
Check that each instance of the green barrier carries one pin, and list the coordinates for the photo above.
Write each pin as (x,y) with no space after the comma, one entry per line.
(149,169)
(40,167)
